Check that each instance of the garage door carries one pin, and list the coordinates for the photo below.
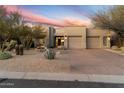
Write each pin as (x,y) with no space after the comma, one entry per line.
(93,42)
(75,42)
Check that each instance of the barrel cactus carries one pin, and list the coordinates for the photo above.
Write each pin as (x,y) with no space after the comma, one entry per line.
(5,55)
(49,54)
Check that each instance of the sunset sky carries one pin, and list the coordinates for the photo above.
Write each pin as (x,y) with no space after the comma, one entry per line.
(57,15)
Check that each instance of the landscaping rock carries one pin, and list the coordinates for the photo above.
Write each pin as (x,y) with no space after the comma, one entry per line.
(122,49)
(114,47)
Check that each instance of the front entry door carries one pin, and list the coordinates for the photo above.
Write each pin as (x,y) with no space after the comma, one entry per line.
(59,42)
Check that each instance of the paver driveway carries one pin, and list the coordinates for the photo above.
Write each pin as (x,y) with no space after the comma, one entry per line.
(96,61)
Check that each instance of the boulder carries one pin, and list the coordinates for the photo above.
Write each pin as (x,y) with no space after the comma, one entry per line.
(114,47)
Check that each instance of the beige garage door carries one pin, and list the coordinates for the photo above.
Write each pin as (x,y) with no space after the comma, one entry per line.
(75,42)
(93,42)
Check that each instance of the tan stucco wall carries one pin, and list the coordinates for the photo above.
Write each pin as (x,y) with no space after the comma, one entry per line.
(84,33)
(72,31)
(101,33)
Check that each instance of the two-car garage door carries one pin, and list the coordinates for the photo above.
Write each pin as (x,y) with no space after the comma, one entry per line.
(93,42)
(75,42)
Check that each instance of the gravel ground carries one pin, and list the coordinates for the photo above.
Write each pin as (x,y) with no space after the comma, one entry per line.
(33,61)
(86,61)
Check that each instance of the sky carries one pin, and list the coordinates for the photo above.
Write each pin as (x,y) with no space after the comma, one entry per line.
(58,15)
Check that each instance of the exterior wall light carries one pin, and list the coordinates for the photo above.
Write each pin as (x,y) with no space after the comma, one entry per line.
(108,38)
(65,37)
(62,40)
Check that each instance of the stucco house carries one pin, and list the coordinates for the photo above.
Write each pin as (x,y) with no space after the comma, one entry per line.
(79,37)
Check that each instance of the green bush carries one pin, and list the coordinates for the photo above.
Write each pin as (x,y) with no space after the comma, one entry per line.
(5,55)
(49,54)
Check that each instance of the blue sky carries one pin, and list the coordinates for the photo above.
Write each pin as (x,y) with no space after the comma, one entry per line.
(61,15)
(60,11)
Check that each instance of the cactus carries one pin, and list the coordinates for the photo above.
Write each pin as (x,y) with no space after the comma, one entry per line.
(5,55)
(49,54)
(11,45)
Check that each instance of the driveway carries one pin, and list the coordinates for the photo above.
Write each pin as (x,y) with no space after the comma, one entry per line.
(96,61)
(87,61)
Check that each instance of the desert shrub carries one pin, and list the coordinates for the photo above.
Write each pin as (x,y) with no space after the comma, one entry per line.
(5,55)
(11,45)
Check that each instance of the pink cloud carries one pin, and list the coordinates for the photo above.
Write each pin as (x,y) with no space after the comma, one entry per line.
(75,22)
(42,19)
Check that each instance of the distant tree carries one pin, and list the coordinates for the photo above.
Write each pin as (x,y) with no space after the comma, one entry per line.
(3,27)
(10,24)
(14,23)
(25,36)
(38,33)
(112,18)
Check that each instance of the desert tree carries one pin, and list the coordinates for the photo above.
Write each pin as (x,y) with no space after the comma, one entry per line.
(10,24)
(39,32)
(112,19)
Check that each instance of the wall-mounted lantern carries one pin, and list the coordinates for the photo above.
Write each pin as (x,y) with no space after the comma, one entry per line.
(108,38)
(65,37)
